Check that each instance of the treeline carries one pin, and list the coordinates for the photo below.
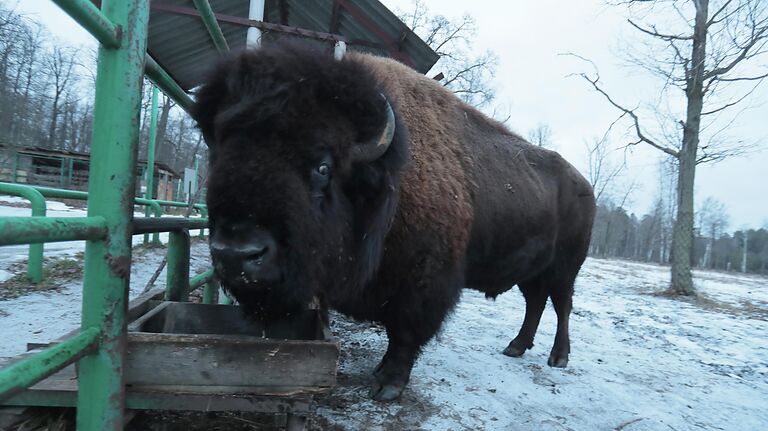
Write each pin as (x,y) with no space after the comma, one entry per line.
(46,97)
(619,234)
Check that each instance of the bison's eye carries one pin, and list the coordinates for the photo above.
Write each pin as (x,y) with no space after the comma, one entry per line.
(324,170)
(321,177)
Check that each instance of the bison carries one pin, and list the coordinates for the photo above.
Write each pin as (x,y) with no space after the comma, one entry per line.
(373,189)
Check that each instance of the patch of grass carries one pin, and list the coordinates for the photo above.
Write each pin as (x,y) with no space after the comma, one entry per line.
(144,248)
(56,272)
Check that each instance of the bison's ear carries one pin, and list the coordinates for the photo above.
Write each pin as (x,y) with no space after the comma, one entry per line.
(208,100)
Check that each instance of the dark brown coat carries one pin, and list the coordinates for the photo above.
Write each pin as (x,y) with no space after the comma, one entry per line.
(457,200)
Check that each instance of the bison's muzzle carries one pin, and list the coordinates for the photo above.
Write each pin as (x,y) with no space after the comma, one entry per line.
(246,257)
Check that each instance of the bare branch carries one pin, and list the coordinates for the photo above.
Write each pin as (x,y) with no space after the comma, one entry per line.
(642,137)
(730,104)
(743,78)
(713,19)
(653,32)
(757,37)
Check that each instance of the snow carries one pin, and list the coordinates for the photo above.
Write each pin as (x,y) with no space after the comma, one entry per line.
(639,361)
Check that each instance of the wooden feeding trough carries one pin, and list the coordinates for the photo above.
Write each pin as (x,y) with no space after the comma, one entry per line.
(204,357)
(204,348)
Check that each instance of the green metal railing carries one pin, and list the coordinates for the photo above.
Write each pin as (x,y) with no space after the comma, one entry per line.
(100,346)
(36,199)
(37,194)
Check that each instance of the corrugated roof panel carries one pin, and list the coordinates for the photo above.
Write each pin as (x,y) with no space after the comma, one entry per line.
(180,43)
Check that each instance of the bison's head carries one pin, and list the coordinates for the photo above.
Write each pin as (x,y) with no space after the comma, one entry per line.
(305,155)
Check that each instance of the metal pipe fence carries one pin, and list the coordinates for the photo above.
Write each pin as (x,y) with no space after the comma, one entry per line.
(99,347)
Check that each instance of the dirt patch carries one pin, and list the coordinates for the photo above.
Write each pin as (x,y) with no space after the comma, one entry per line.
(204,421)
(15,204)
(56,272)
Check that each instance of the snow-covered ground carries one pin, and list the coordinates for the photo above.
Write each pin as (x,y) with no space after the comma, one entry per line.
(639,361)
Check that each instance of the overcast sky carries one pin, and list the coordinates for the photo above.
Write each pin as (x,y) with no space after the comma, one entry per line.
(533,86)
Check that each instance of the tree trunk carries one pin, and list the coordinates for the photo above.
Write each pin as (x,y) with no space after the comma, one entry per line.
(54,119)
(682,238)
(162,152)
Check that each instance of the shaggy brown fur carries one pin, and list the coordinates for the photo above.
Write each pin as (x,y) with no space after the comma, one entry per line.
(457,201)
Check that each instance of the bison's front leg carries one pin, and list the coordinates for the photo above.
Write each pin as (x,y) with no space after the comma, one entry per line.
(411,319)
(393,372)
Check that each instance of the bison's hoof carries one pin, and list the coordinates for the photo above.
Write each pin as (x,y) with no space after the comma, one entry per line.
(387,392)
(515,349)
(558,360)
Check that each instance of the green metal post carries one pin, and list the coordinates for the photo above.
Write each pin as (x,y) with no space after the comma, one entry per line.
(71,169)
(62,174)
(177,270)
(193,186)
(35,259)
(150,171)
(15,166)
(111,185)
(210,292)
(203,214)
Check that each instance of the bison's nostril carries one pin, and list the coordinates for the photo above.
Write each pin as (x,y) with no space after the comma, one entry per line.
(257,256)
(250,257)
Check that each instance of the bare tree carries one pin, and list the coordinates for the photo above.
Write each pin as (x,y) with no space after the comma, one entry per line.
(541,135)
(59,65)
(601,171)
(713,220)
(714,59)
(465,72)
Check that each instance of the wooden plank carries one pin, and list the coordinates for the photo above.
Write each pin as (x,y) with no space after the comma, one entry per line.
(138,400)
(230,363)
(188,318)
(60,390)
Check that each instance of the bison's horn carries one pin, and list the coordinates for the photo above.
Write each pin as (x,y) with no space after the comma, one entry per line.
(376,147)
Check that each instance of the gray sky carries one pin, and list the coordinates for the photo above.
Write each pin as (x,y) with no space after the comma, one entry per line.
(533,86)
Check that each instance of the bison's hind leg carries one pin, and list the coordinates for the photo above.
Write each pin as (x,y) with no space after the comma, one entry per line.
(535,295)
(556,283)
(562,301)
